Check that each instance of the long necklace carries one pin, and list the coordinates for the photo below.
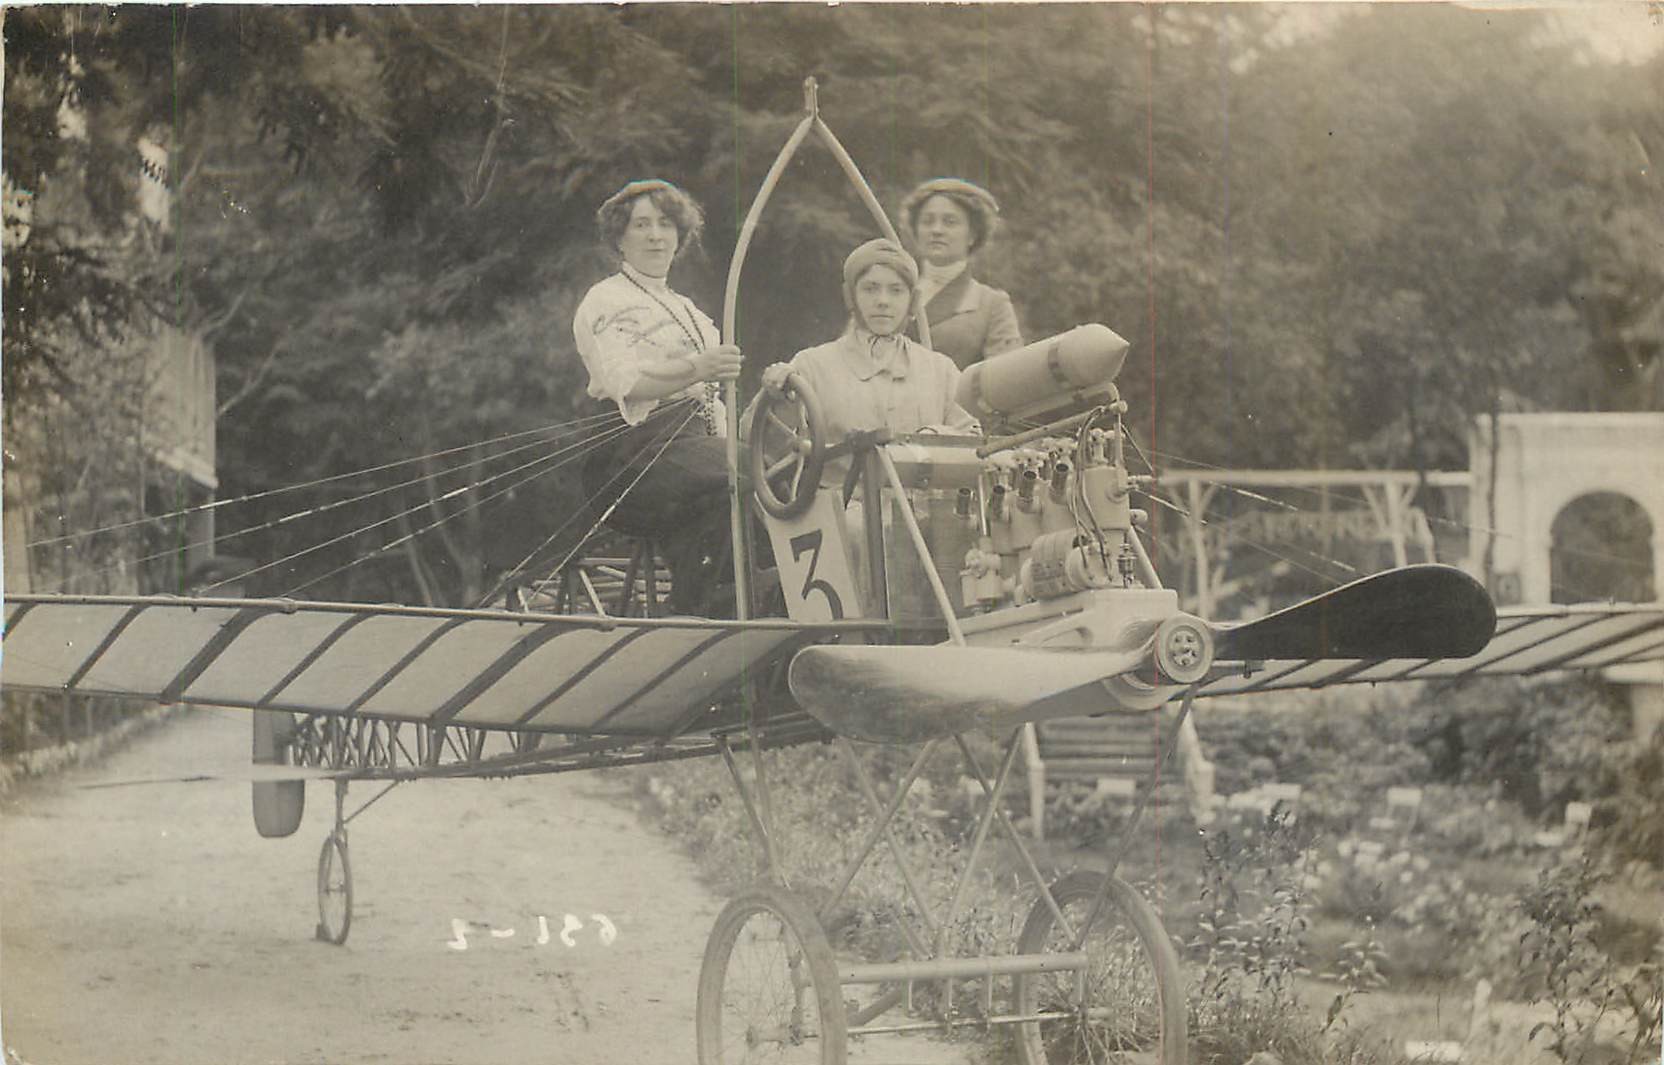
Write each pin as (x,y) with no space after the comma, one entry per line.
(708,407)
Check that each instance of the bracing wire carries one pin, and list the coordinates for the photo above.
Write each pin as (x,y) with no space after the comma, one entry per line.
(554,460)
(1632,564)
(1245,493)
(1451,523)
(1244,540)
(1575,552)
(575,424)
(523,565)
(220,539)
(586,446)
(1237,536)
(692,410)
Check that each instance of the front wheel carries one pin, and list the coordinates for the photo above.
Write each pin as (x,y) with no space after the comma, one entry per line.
(334,890)
(768,988)
(1132,1008)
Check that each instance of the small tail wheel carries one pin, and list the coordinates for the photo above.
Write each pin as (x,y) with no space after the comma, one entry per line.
(768,988)
(334,889)
(788,448)
(1128,1006)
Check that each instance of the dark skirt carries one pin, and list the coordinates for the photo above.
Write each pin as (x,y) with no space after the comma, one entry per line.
(667,479)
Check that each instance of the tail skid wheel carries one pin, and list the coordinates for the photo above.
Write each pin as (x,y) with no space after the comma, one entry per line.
(768,988)
(1133,1006)
(334,890)
(787,449)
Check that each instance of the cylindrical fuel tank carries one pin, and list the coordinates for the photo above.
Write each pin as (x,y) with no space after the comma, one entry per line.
(1045,375)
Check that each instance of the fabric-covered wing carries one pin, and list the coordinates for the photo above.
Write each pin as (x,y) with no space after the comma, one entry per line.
(1528,640)
(585,675)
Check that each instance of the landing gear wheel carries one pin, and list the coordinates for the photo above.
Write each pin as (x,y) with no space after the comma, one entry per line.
(787,448)
(768,988)
(278,805)
(1133,1009)
(334,890)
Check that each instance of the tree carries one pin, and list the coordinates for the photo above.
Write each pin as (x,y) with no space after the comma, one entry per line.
(1330,241)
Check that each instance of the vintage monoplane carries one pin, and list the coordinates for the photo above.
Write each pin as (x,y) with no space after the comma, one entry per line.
(976,583)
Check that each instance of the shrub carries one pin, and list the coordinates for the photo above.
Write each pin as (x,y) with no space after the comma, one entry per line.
(1542,744)
(1629,819)
(1248,944)
(821,820)
(1543,946)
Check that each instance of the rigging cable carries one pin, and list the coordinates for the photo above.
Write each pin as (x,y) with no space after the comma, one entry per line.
(407,537)
(692,410)
(219,503)
(285,519)
(560,455)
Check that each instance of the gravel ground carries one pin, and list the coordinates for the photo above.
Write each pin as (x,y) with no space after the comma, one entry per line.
(150,925)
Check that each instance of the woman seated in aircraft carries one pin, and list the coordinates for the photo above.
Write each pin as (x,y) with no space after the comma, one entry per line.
(949,220)
(873,376)
(656,466)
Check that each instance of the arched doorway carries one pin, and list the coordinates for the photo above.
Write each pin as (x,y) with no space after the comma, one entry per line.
(1540,466)
(1601,548)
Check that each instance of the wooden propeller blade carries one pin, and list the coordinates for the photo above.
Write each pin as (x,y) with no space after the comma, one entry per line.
(1426,611)
(884,694)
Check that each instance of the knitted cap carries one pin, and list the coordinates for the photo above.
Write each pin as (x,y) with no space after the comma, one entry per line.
(880,252)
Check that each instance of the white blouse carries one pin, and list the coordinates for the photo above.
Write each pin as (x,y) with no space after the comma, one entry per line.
(631,320)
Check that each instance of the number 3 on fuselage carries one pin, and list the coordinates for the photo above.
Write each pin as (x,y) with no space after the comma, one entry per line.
(814,565)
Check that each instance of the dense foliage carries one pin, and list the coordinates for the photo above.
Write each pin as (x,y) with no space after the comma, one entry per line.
(1537,746)
(1332,240)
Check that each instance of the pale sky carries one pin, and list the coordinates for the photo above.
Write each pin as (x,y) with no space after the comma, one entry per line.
(1618,29)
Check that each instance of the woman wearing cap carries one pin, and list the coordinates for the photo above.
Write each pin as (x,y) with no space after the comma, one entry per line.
(657,466)
(949,220)
(873,376)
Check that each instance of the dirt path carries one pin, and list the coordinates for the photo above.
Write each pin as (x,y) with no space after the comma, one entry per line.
(151,924)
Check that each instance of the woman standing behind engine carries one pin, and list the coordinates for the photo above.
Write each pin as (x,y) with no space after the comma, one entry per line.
(948,220)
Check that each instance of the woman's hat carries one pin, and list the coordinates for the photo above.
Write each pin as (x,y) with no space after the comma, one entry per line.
(633,189)
(880,252)
(977,202)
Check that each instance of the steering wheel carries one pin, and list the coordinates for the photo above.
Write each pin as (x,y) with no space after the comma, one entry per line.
(787,448)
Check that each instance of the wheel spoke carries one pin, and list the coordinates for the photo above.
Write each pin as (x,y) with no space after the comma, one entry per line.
(782,464)
(1133,1009)
(767,987)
